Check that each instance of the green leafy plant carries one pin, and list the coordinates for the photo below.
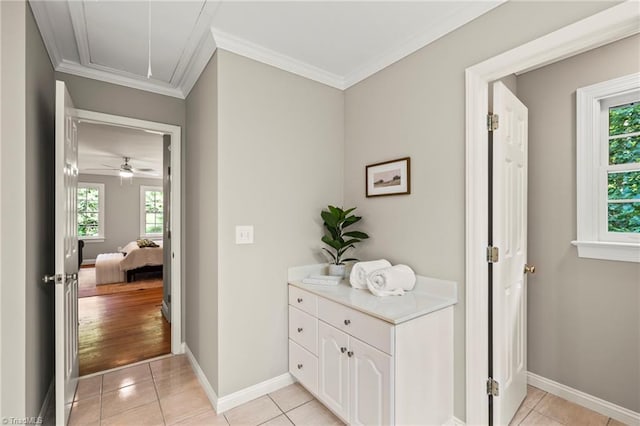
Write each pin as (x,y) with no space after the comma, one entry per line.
(335,221)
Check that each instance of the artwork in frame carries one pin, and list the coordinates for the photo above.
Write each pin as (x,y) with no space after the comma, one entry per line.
(389,178)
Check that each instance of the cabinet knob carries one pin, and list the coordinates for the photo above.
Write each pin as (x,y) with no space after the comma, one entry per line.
(347,322)
(343,350)
(299,299)
(350,354)
(299,329)
(299,366)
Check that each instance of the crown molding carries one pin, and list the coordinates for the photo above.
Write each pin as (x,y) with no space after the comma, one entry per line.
(79,24)
(121,80)
(46,30)
(453,22)
(259,53)
(199,60)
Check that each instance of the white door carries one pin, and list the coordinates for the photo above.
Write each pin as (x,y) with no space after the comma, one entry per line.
(510,236)
(66,254)
(333,386)
(370,385)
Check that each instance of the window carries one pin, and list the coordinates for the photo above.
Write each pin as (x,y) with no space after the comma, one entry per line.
(90,211)
(608,170)
(151,218)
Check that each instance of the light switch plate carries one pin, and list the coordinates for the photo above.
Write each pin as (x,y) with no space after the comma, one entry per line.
(244,234)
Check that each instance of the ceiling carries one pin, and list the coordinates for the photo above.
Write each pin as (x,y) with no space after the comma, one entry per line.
(102,146)
(338,43)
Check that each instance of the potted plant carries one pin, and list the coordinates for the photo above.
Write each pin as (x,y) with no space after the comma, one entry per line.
(339,241)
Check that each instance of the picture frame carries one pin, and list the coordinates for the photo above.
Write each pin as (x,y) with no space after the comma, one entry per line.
(388,178)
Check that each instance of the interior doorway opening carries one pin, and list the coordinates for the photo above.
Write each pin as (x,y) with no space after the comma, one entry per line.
(608,26)
(129,291)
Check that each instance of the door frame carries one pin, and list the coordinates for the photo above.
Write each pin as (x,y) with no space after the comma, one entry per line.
(176,205)
(597,30)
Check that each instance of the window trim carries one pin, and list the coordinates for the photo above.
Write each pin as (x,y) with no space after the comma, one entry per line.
(143,218)
(101,208)
(592,241)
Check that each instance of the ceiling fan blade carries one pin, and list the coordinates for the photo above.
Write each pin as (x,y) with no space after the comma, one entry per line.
(100,169)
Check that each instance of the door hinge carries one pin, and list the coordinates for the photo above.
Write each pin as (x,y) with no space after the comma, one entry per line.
(493,254)
(492,122)
(493,387)
(169,234)
(169,171)
(168,298)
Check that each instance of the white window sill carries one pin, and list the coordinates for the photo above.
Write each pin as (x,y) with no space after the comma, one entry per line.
(92,239)
(151,237)
(622,252)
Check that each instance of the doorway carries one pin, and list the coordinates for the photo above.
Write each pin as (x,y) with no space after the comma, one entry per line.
(149,290)
(608,26)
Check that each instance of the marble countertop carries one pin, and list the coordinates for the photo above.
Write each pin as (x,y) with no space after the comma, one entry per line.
(429,295)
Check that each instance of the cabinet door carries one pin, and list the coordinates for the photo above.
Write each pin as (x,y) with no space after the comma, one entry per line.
(370,372)
(333,386)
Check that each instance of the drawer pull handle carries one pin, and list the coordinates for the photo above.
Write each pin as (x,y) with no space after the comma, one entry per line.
(299,299)
(299,366)
(343,349)
(347,322)
(299,329)
(350,354)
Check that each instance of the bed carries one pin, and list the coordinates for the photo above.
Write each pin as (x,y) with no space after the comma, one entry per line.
(141,260)
(128,263)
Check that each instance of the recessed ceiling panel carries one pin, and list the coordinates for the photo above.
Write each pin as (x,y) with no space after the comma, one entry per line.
(118,34)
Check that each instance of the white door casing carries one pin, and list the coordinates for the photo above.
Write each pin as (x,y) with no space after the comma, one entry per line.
(510,236)
(66,254)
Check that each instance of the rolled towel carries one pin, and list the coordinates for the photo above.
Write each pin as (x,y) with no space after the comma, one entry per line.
(361,271)
(393,281)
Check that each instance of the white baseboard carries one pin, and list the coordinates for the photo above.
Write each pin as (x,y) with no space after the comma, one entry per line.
(454,421)
(47,400)
(225,403)
(202,378)
(596,404)
(252,392)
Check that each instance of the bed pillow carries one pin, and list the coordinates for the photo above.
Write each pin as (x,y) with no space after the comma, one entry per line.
(146,243)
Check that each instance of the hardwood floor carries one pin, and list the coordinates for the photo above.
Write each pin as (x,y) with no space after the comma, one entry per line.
(118,329)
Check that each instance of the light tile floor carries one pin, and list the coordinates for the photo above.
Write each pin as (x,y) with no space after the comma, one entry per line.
(542,408)
(167,392)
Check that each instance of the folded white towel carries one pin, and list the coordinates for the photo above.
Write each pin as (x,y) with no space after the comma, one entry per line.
(361,271)
(393,281)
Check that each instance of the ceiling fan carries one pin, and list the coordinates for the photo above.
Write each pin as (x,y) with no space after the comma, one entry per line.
(127,171)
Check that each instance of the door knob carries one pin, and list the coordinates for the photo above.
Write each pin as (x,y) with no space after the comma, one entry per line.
(343,349)
(299,329)
(529,269)
(350,354)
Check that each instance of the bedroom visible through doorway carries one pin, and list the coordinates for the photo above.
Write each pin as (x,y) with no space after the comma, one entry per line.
(123,203)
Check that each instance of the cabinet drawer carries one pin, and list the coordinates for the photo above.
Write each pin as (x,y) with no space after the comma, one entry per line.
(303,366)
(303,300)
(303,329)
(371,330)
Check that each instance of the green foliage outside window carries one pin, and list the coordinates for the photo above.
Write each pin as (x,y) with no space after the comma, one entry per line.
(88,212)
(153,212)
(624,187)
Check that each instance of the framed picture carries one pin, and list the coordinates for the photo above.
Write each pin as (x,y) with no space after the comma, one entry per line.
(389,178)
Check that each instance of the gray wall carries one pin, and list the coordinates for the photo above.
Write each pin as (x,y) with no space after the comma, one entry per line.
(280,161)
(201,198)
(27,214)
(122,212)
(584,314)
(415,108)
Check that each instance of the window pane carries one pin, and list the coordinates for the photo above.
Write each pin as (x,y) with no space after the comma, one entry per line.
(624,186)
(153,229)
(82,231)
(92,194)
(624,217)
(624,119)
(92,231)
(624,150)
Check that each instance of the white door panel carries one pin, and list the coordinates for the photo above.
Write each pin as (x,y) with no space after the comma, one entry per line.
(66,254)
(510,236)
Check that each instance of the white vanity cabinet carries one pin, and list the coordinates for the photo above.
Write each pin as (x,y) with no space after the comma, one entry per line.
(375,361)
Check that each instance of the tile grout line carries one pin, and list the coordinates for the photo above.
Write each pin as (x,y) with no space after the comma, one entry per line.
(155,389)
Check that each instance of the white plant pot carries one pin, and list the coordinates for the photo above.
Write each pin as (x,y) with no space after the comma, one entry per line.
(337,270)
